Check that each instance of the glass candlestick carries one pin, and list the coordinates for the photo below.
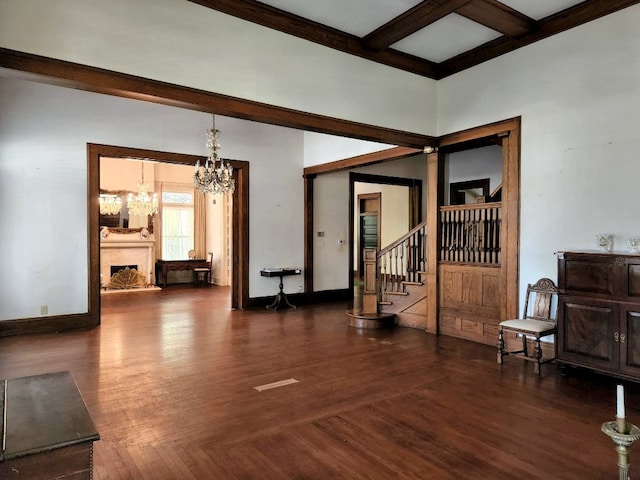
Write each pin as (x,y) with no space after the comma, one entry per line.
(604,242)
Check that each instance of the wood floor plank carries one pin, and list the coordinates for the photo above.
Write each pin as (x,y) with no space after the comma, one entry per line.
(169,381)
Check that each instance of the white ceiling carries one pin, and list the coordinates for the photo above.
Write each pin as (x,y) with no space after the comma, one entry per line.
(437,42)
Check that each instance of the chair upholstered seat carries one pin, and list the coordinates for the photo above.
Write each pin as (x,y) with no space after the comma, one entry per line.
(202,275)
(529,325)
(534,324)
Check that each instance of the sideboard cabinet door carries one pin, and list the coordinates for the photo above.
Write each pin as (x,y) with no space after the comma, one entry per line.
(586,332)
(630,340)
(628,269)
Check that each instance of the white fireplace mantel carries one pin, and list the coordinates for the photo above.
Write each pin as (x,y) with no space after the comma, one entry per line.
(125,250)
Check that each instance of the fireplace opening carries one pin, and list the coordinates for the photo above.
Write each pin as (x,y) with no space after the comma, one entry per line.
(116,268)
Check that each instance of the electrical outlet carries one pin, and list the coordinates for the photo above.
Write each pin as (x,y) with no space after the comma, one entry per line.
(44,309)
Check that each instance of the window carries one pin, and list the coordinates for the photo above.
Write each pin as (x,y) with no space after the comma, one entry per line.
(177,223)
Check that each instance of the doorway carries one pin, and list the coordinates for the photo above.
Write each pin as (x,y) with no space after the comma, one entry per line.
(366,214)
(461,193)
(369,210)
(239,216)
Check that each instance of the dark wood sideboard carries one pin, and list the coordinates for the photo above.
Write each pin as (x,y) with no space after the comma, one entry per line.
(165,266)
(599,312)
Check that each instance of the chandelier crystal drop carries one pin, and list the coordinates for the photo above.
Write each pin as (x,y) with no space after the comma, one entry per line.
(110,204)
(216,176)
(142,204)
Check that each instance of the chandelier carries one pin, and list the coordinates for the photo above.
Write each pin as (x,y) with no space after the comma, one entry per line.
(142,204)
(109,204)
(216,176)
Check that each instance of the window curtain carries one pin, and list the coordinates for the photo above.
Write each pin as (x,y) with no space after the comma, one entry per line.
(200,224)
(157,222)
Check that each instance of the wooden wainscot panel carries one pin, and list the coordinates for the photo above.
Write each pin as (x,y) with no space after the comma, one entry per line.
(415,316)
(472,289)
(449,324)
(490,331)
(472,327)
(451,286)
(491,291)
(470,300)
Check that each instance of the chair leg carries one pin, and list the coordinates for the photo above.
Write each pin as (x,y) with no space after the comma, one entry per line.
(525,350)
(538,356)
(500,346)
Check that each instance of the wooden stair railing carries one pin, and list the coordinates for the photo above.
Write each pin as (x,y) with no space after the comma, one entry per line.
(471,233)
(401,264)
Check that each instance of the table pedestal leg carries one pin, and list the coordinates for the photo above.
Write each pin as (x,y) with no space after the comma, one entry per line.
(281,299)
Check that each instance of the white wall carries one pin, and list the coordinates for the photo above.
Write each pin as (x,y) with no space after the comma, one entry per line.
(183,43)
(579,97)
(331,216)
(478,163)
(216,207)
(320,148)
(44,131)
(276,198)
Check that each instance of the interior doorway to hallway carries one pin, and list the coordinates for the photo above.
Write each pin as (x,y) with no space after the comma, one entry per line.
(236,211)
(382,209)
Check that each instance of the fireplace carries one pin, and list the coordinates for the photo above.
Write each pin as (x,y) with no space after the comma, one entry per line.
(119,251)
(116,268)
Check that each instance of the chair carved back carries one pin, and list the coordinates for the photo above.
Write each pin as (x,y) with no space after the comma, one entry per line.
(541,295)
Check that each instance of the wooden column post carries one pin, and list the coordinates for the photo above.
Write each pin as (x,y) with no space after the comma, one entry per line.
(435,189)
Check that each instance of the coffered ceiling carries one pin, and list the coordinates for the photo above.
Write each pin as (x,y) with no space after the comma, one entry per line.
(433,38)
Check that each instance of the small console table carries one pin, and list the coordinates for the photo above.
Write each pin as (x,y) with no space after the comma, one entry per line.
(164,266)
(46,428)
(281,298)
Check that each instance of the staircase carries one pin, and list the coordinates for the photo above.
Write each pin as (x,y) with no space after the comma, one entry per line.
(401,271)
(394,291)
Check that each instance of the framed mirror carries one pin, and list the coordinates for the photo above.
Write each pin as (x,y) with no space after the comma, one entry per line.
(122,222)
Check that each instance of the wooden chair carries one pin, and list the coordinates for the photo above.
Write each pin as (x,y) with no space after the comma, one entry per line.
(202,275)
(536,323)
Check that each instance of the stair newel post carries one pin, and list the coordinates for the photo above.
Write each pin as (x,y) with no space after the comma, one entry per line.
(370,288)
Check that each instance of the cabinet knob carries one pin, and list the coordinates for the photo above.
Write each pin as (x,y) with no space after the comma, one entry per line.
(616,337)
(622,337)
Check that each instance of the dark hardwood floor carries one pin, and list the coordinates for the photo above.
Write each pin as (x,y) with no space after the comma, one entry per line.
(169,380)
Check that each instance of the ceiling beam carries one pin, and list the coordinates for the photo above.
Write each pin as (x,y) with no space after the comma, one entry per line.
(571,17)
(497,16)
(271,17)
(395,153)
(409,22)
(82,77)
